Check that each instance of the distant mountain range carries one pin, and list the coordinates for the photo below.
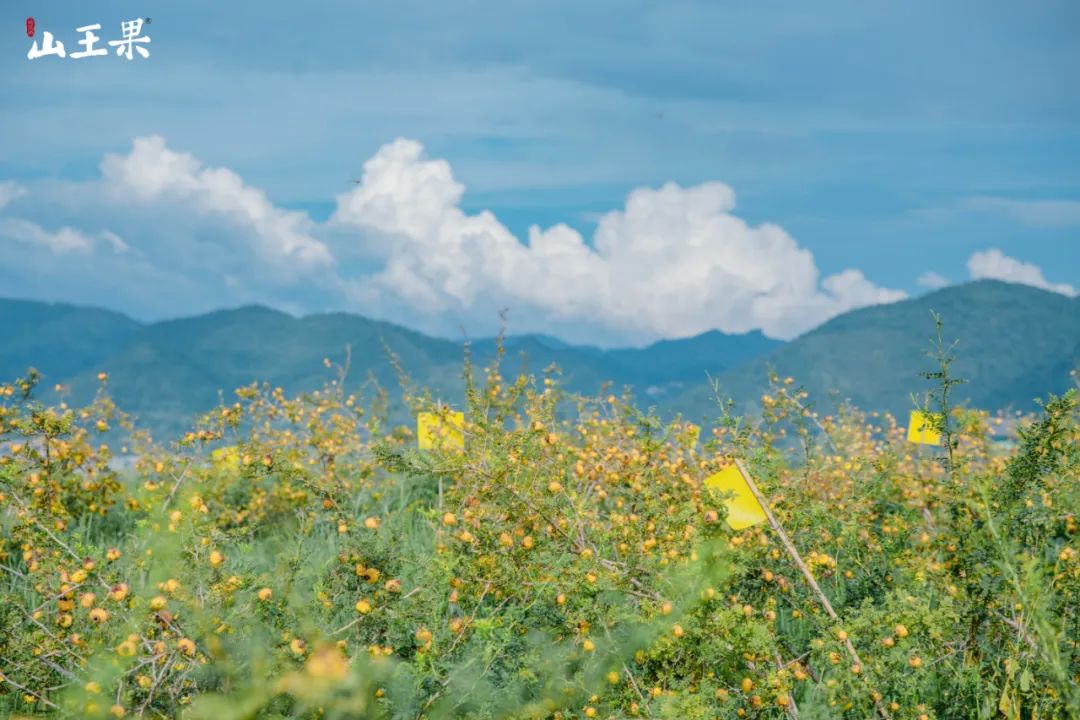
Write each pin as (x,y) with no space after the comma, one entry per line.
(1014,344)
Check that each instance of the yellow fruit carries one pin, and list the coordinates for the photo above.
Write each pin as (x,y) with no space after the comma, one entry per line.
(99,615)
(265,594)
(185,646)
(158,602)
(588,645)
(901,631)
(216,558)
(363,607)
(747,685)
(677,631)
(915,661)
(449,519)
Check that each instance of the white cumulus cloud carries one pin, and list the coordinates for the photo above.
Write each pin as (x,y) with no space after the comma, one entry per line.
(674,261)
(152,172)
(996,265)
(932,280)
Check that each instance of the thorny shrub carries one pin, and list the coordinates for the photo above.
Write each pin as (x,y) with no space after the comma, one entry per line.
(297,557)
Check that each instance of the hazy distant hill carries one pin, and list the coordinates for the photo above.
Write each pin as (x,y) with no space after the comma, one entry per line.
(168,371)
(58,339)
(1016,343)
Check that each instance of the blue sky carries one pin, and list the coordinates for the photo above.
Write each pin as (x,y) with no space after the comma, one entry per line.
(892,141)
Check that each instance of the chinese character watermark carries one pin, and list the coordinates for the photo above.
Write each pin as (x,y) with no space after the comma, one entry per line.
(133,41)
(49,46)
(89,38)
(131,30)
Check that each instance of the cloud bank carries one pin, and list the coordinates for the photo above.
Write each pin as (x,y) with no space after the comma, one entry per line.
(673,262)
(174,236)
(995,265)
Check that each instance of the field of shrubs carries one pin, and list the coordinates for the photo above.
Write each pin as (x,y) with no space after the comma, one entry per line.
(300,557)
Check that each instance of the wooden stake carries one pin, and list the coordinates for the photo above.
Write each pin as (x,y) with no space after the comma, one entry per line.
(790,547)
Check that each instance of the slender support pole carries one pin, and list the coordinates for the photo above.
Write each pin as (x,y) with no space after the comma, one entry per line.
(790,547)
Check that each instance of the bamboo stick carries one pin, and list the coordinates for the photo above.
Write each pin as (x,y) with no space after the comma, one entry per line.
(797,559)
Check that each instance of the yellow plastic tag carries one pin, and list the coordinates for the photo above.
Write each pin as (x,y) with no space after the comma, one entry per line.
(440,430)
(743,509)
(227,458)
(921,431)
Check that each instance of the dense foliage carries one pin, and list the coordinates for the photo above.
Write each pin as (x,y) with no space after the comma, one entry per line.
(298,557)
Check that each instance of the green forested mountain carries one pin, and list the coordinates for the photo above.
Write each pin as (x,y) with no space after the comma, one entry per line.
(1014,343)
(166,372)
(58,339)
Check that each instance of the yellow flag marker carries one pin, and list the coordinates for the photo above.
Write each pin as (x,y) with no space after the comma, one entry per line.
(921,431)
(743,509)
(445,429)
(227,458)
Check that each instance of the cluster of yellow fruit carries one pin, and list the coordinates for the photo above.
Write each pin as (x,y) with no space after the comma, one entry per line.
(294,556)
